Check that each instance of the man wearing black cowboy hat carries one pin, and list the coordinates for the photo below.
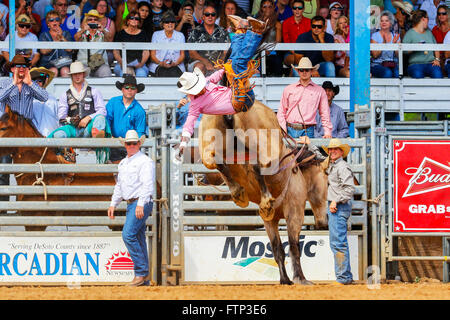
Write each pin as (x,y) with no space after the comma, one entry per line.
(337,115)
(125,113)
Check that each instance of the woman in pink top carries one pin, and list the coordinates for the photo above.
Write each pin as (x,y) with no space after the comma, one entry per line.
(206,96)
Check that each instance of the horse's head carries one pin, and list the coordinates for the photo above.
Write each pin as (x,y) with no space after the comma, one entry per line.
(8,123)
(317,182)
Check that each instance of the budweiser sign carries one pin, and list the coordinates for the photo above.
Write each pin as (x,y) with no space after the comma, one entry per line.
(421,177)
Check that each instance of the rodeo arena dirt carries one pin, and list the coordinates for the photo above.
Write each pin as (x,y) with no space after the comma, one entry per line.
(249,209)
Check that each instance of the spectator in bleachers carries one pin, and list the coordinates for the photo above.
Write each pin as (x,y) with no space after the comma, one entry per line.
(442,25)
(422,63)
(45,114)
(342,61)
(345,4)
(23,26)
(24,7)
(384,64)
(311,8)
(68,23)
(167,63)
(325,59)
(156,14)
(336,11)
(123,10)
(56,60)
(228,7)
(301,101)
(187,22)
(104,9)
(125,113)
(284,10)
(324,11)
(292,28)
(274,59)
(92,31)
(389,5)
(402,17)
(431,7)
(136,59)
(146,23)
(337,115)
(207,32)
(175,6)
(199,6)
(447,55)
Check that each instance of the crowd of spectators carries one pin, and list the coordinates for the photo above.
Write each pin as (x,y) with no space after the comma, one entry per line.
(199,21)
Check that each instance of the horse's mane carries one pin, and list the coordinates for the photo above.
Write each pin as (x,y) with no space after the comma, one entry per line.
(21,120)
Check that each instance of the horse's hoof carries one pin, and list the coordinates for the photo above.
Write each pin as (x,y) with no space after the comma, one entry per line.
(286,281)
(266,209)
(240,197)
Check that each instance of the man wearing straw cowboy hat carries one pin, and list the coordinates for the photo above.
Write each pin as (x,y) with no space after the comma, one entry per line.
(45,114)
(135,184)
(301,101)
(340,193)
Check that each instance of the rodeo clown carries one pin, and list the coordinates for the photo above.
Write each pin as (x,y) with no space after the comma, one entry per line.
(206,96)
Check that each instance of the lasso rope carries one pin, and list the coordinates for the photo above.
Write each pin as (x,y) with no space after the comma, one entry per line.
(40,180)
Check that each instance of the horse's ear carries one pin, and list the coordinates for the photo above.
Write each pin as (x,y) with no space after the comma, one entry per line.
(7,109)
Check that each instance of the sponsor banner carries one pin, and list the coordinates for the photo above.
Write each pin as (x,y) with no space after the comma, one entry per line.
(250,258)
(66,259)
(421,182)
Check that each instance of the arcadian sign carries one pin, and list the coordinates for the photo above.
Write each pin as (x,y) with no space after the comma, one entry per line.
(250,258)
(64,259)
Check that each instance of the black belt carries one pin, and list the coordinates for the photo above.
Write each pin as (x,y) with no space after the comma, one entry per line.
(130,201)
(299,126)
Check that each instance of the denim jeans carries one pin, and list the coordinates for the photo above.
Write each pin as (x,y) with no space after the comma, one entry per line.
(337,225)
(300,133)
(99,124)
(378,71)
(140,73)
(133,235)
(243,48)
(326,69)
(422,70)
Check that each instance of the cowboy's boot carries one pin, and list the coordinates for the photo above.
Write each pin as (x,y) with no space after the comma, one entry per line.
(257,26)
(241,25)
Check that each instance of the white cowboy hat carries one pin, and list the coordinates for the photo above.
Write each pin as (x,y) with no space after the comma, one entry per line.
(78,67)
(405,6)
(336,143)
(192,82)
(305,63)
(131,136)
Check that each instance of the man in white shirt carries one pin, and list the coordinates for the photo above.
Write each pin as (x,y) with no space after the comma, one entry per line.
(135,184)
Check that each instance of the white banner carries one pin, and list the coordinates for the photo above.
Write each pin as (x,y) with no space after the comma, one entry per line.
(250,258)
(73,260)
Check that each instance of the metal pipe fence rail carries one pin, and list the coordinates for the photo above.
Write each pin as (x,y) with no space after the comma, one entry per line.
(191,215)
(74,209)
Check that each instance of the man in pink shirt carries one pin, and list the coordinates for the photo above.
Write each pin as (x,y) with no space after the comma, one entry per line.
(301,101)
(206,96)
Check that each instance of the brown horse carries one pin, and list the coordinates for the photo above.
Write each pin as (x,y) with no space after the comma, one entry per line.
(281,192)
(13,125)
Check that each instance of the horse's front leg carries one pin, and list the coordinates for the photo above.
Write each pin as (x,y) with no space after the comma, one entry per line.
(277,249)
(266,204)
(238,193)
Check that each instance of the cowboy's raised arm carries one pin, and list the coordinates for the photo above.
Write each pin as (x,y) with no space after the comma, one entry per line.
(216,76)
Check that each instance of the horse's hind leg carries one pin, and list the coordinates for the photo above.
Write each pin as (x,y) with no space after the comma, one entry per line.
(277,249)
(238,194)
(266,209)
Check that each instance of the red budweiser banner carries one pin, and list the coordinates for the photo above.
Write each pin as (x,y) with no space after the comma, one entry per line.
(421,186)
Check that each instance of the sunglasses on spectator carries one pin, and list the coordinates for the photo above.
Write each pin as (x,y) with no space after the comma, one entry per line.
(318,26)
(28,26)
(135,18)
(303,70)
(21,66)
(297,8)
(209,14)
(130,87)
(53,19)
(131,143)
(442,13)
(337,9)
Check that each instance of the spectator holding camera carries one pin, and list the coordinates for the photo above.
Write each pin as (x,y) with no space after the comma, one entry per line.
(167,63)
(187,22)
(136,59)
(56,60)
(104,9)
(24,7)
(92,31)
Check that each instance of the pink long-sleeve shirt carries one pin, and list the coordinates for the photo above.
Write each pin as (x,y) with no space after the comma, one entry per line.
(216,100)
(309,98)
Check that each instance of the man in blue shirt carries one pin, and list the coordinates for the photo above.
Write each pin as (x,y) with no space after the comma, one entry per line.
(124,113)
(337,115)
(325,59)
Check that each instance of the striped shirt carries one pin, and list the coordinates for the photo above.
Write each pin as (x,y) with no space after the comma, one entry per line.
(21,101)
